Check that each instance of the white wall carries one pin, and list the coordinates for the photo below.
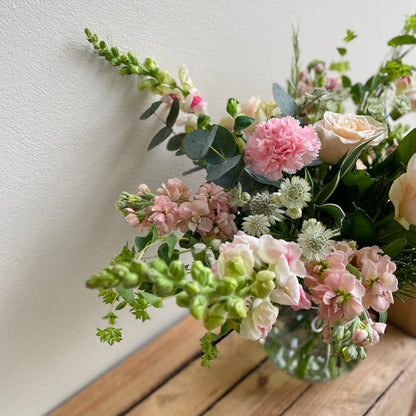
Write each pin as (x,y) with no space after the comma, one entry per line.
(71,141)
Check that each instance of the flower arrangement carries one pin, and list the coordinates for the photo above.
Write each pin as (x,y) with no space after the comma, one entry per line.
(306,206)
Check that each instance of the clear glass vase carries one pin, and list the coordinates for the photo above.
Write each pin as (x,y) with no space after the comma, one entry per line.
(296,347)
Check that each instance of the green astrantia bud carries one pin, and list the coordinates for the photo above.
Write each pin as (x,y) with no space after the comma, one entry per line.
(192,288)
(234,267)
(131,280)
(215,316)
(163,287)
(233,107)
(183,300)
(227,286)
(236,307)
(201,274)
(177,271)
(151,65)
(198,305)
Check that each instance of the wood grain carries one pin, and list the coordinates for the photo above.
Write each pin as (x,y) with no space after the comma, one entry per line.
(403,315)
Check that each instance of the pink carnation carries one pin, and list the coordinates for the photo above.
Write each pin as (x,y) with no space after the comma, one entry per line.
(281,145)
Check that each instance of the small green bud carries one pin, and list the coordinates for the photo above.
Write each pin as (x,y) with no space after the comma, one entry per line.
(132,58)
(125,60)
(198,251)
(139,267)
(120,270)
(201,274)
(227,286)
(135,69)
(93,282)
(163,287)
(153,275)
(215,316)
(236,307)
(160,265)
(350,352)
(338,333)
(177,270)
(234,267)
(198,305)
(233,107)
(131,280)
(262,288)
(151,65)
(294,213)
(165,78)
(361,353)
(147,83)
(192,288)
(125,71)
(116,61)
(183,300)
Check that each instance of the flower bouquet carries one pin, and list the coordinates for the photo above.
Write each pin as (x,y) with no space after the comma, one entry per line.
(304,232)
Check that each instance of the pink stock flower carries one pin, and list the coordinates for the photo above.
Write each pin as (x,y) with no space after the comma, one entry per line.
(304,302)
(176,190)
(142,189)
(215,197)
(332,83)
(338,297)
(132,220)
(164,214)
(281,145)
(224,226)
(361,338)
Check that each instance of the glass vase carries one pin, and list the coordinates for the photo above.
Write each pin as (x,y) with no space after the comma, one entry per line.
(295,345)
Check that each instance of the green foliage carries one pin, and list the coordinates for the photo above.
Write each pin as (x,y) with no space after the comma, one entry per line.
(350,36)
(284,101)
(139,306)
(208,348)
(111,318)
(108,295)
(160,137)
(402,40)
(151,110)
(109,335)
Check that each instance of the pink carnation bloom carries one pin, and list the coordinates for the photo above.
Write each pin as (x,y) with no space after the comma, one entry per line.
(281,145)
(338,297)
(176,190)
(379,282)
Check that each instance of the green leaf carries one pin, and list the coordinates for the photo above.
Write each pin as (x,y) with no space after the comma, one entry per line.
(163,253)
(196,144)
(175,142)
(121,305)
(346,82)
(402,40)
(351,158)
(142,242)
(328,189)
(220,169)
(126,294)
(154,300)
(160,137)
(342,51)
(394,248)
(224,143)
(284,101)
(350,36)
(361,179)
(151,110)
(171,241)
(407,147)
(358,226)
(242,122)
(340,66)
(173,113)
(357,92)
(335,211)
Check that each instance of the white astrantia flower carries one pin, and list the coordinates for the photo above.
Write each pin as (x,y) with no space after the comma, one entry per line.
(256,225)
(238,198)
(315,240)
(266,204)
(294,194)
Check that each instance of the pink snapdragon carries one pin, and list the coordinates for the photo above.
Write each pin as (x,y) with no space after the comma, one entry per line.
(281,145)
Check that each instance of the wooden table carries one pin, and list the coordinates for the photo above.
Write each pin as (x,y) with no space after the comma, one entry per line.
(165,378)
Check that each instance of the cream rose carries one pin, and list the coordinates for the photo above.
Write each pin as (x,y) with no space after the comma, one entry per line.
(403,195)
(340,133)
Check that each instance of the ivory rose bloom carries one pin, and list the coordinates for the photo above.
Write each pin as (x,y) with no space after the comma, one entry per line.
(340,133)
(403,195)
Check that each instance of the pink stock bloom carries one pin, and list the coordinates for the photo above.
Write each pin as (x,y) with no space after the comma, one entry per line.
(360,336)
(348,247)
(132,220)
(176,190)
(361,256)
(379,282)
(163,214)
(224,227)
(215,196)
(338,297)
(281,145)
(193,216)
(259,320)
(332,83)
(142,189)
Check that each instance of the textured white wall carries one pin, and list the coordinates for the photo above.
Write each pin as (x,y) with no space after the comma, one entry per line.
(71,141)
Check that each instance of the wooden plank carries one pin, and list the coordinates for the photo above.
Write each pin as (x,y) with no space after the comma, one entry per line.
(194,389)
(356,393)
(403,315)
(134,378)
(374,382)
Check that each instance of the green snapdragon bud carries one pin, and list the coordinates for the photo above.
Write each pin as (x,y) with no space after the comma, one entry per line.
(215,316)
(234,267)
(177,271)
(192,288)
(198,305)
(236,307)
(151,65)
(160,265)
(264,284)
(131,280)
(227,286)
(163,287)
(120,270)
(140,268)
(200,273)
(165,78)
(183,300)
(233,107)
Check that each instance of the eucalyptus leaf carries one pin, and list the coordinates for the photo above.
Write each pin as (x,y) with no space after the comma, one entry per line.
(151,110)
(262,179)
(242,122)
(160,137)
(175,142)
(220,169)
(173,113)
(196,143)
(224,144)
(284,101)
